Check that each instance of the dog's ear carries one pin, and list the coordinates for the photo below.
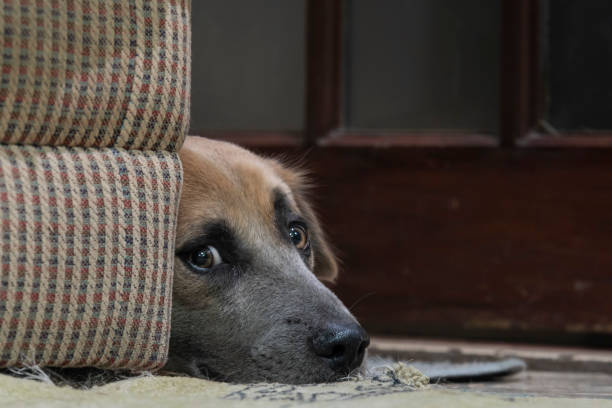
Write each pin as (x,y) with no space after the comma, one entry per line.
(325,265)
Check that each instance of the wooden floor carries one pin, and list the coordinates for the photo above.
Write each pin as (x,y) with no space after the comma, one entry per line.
(545,384)
(551,371)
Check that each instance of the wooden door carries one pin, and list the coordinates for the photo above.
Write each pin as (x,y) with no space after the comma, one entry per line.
(480,206)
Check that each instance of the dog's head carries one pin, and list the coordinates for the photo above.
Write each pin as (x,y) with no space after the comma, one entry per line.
(247,301)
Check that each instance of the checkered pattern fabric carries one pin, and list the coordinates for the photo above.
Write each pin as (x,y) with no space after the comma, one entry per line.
(95,73)
(94,102)
(86,250)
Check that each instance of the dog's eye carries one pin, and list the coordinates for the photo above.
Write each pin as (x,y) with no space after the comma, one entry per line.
(205,258)
(299,236)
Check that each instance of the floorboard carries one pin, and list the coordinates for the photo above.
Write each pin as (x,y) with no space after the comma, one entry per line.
(551,371)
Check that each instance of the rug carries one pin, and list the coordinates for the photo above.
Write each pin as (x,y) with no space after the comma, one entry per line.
(397,386)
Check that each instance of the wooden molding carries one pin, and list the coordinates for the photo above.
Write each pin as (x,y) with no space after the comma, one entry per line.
(519,75)
(323,67)
(440,139)
(570,140)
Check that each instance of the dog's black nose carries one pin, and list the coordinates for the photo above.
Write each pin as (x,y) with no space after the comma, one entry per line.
(342,346)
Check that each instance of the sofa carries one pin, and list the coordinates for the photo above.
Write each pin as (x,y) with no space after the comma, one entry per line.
(94,104)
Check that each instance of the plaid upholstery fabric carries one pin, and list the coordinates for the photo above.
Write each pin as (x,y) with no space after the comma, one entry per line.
(86,252)
(95,73)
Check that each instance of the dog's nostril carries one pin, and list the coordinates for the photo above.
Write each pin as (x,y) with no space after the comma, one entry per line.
(342,346)
(337,351)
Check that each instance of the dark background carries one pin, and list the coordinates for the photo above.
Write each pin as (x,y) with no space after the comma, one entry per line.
(461,148)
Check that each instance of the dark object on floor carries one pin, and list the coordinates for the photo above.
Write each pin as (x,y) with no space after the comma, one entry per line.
(469,371)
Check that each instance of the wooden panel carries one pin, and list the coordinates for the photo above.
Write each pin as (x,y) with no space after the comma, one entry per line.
(323,64)
(578,72)
(476,242)
(248,65)
(421,64)
(519,77)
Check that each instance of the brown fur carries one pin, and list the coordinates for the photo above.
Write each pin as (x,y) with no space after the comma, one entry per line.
(253,320)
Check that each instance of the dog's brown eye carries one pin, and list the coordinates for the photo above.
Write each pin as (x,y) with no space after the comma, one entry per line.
(299,236)
(205,258)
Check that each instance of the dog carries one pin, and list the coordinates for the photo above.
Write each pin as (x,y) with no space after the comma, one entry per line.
(248,302)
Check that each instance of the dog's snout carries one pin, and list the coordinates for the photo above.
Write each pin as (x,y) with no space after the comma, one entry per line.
(342,346)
